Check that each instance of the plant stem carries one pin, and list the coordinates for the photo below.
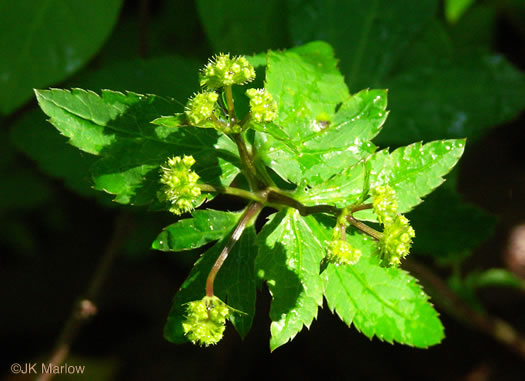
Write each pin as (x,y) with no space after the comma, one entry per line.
(219,123)
(248,216)
(360,207)
(279,197)
(260,168)
(247,163)
(245,120)
(86,306)
(257,197)
(365,228)
(447,299)
(276,198)
(229,102)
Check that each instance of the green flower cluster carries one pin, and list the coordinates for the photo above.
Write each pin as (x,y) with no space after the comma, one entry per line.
(396,240)
(225,71)
(200,108)
(340,252)
(384,203)
(180,181)
(262,106)
(206,320)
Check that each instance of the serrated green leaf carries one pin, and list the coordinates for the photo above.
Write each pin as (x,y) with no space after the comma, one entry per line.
(273,130)
(346,140)
(306,85)
(446,226)
(117,127)
(341,190)
(289,260)
(235,285)
(369,37)
(339,141)
(327,141)
(44,42)
(383,302)
(257,60)
(361,116)
(32,134)
(204,226)
(413,171)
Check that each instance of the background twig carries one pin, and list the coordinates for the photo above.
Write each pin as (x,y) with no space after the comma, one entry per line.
(447,299)
(85,307)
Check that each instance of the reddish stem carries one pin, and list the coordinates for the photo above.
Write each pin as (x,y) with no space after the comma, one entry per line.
(248,216)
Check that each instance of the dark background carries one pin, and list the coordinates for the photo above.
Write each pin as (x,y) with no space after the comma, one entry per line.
(54,236)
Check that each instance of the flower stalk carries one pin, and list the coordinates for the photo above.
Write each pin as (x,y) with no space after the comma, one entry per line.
(247,218)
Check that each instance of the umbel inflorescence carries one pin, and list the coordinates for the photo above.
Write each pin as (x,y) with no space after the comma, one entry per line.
(302,146)
(213,107)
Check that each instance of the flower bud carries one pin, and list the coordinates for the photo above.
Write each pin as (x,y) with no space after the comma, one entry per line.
(262,106)
(206,320)
(384,203)
(396,241)
(225,71)
(341,252)
(180,181)
(200,108)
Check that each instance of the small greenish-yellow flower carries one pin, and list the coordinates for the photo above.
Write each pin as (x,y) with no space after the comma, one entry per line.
(384,203)
(262,106)
(341,252)
(200,108)
(396,241)
(225,71)
(180,184)
(205,320)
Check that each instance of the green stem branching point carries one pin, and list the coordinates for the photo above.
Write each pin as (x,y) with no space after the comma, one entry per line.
(248,164)
(219,123)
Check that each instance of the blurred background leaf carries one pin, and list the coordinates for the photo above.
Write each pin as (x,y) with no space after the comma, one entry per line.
(244,27)
(46,41)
